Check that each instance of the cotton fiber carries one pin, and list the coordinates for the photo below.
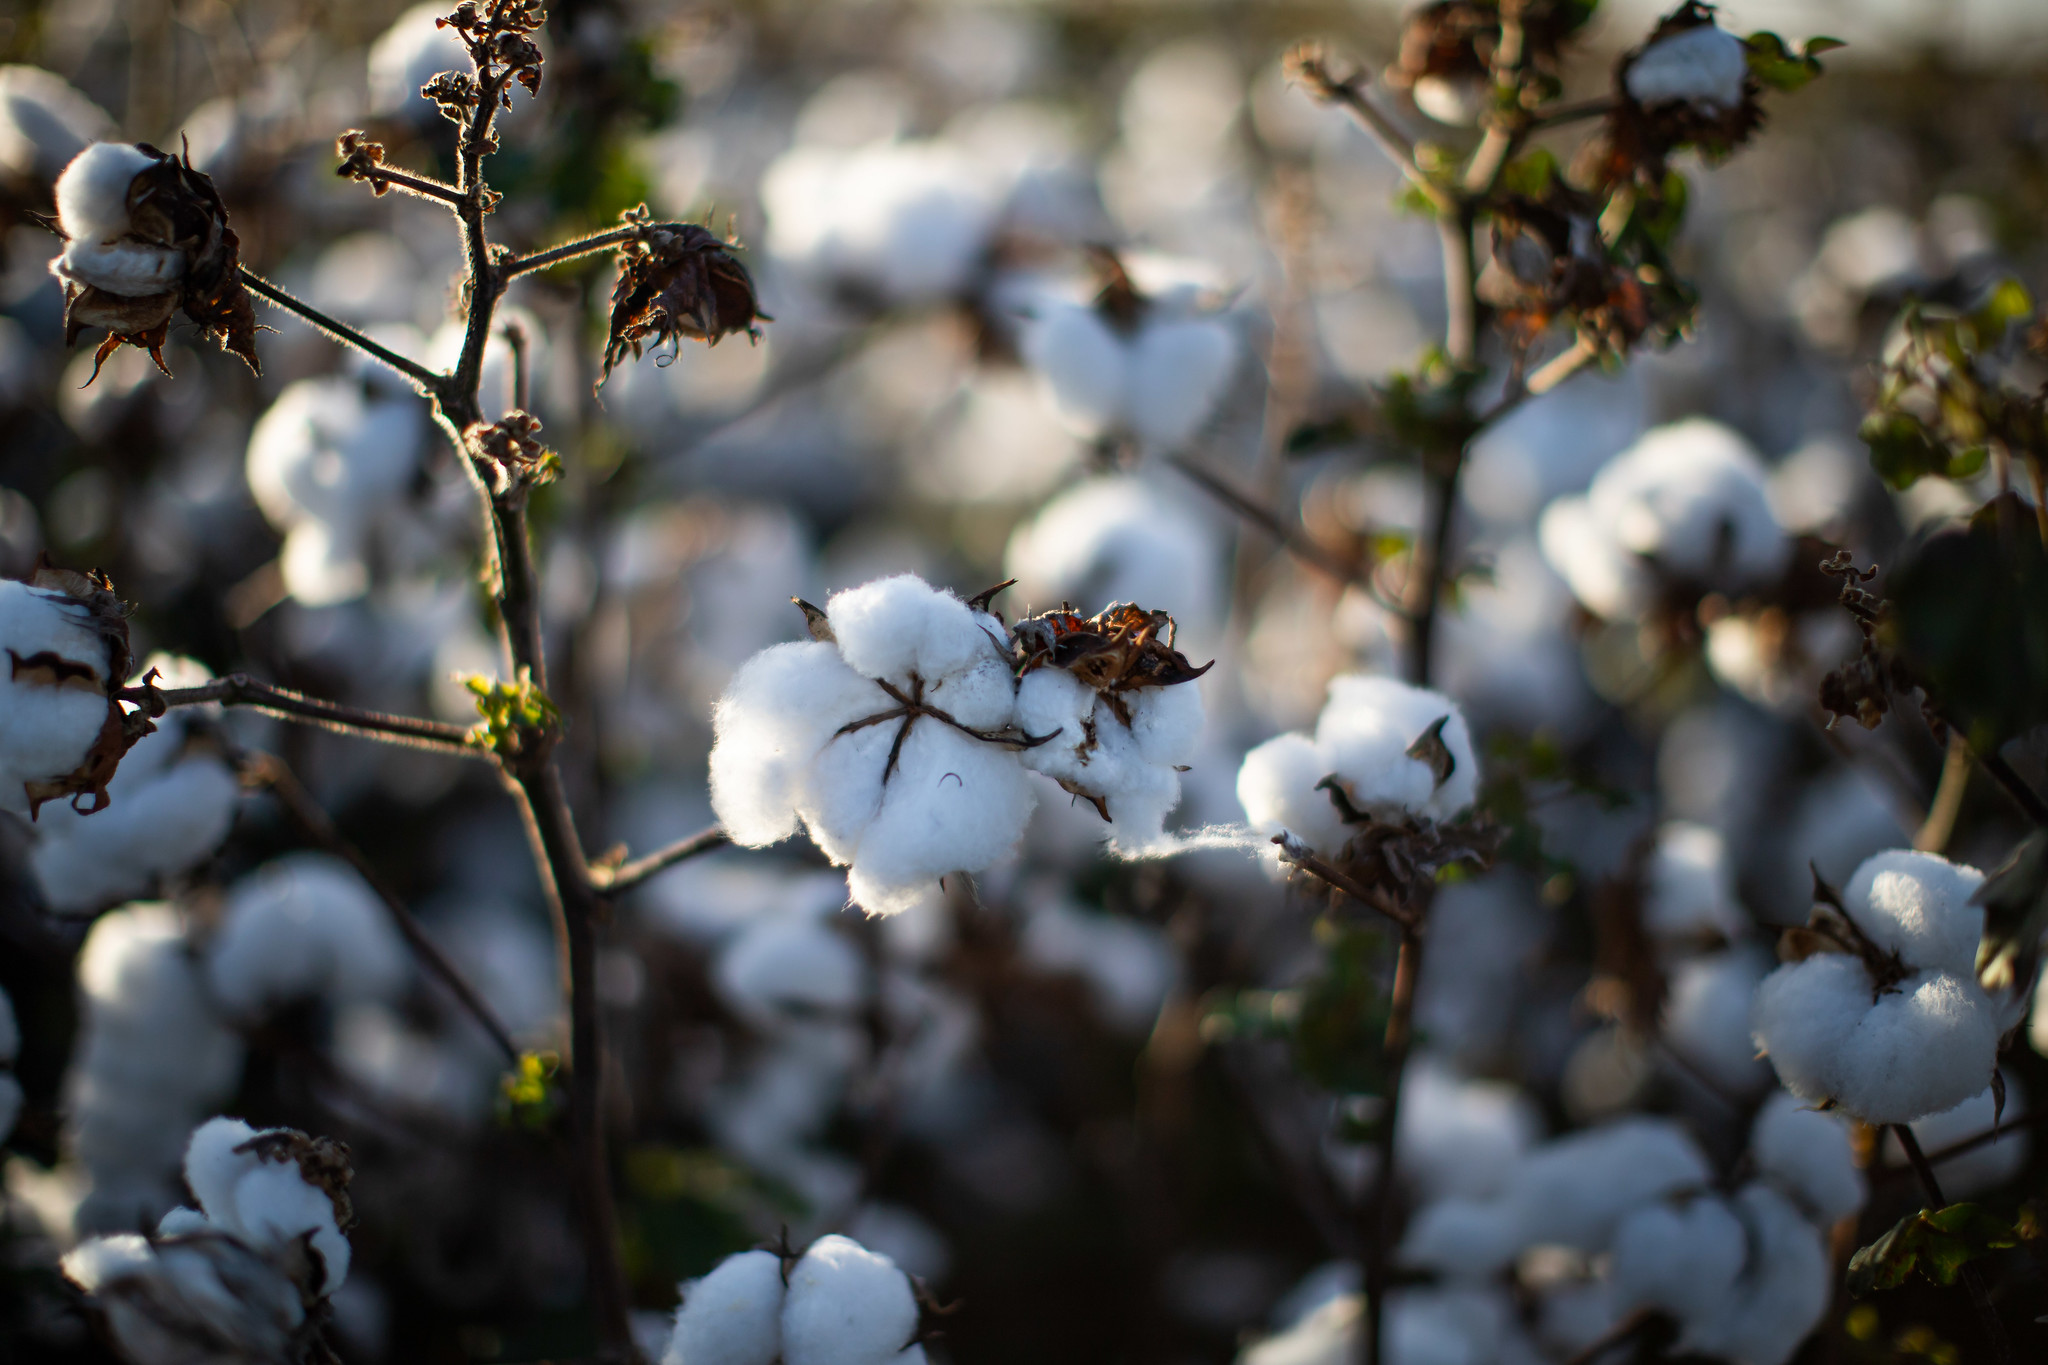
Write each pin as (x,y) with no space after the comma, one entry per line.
(305,926)
(1131,768)
(49,716)
(1705,66)
(1159,379)
(837,1304)
(1807,1155)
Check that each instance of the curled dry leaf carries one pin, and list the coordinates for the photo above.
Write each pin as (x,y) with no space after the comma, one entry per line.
(1121,648)
(677,280)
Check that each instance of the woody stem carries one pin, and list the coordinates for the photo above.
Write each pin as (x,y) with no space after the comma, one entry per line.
(428,381)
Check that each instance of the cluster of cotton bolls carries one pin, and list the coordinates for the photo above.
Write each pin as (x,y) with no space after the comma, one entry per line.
(837,1304)
(240,1276)
(892,741)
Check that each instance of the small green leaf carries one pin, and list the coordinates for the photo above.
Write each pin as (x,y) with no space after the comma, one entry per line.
(530,1095)
(512,713)
(2008,302)
(1777,65)
(1820,43)
(1901,450)
(1936,1244)
(1530,174)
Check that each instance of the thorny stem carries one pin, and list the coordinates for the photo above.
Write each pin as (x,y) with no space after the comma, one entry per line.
(1980,1297)
(1378,1210)
(335,328)
(626,876)
(239,689)
(271,772)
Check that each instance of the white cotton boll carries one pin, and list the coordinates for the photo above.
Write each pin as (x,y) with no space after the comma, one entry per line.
(1129,966)
(1681,1258)
(1926,1046)
(1918,905)
(1692,884)
(128,268)
(1989,1166)
(1092,750)
(791,967)
(92,194)
(1462,1238)
(102,1261)
(213,1166)
(1608,581)
(1177,373)
(894,627)
(1572,1192)
(44,123)
(304,926)
(326,452)
(846,1306)
(733,1316)
(1459,1137)
(1783,1293)
(1166,722)
(1366,731)
(1808,1155)
(264,1201)
(1083,365)
(1704,65)
(166,815)
(47,726)
(955,804)
(1706,1018)
(781,708)
(1276,786)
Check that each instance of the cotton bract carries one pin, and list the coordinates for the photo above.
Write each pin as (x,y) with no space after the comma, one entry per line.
(1685,506)
(1158,379)
(1892,1050)
(808,734)
(1363,740)
(53,697)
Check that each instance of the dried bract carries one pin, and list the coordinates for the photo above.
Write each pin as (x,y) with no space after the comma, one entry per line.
(360,158)
(1118,650)
(677,280)
(507,451)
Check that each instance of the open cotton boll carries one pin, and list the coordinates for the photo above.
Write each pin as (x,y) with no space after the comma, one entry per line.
(1783,1293)
(1706,1018)
(733,1316)
(901,627)
(1705,65)
(1986,1168)
(1459,1137)
(791,967)
(1178,370)
(1276,785)
(304,926)
(92,193)
(1681,1258)
(781,708)
(1691,892)
(1083,367)
(1130,768)
(192,1296)
(324,450)
(1462,1238)
(846,1305)
(1896,1050)
(50,713)
(1158,380)
(1129,966)
(250,1186)
(1807,1154)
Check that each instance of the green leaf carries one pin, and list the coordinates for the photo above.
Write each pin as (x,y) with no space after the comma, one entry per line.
(1936,1244)
(1967,621)
(530,1094)
(2009,302)
(1777,65)
(1530,174)
(1902,451)
(512,712)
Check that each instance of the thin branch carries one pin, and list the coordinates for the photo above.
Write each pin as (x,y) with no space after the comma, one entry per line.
(1940,823)
(423,186)
(1973,1282)
(271,772)
(239,689)
(1297,854)
(1426,572)
(1461,279)
(1398,146)
(1572,113)
(1556,370)
(623,878)
(571,251)
(428,381)
(1293,538)
(1378,1211)
(1964,1146)
(2023,795)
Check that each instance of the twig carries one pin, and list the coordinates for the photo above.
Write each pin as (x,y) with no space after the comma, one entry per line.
(572,251)
(271,772)
(1293,538)
(428,381)
(2023,795)
(1964,1146)
(239,689)
(1297,854)
(1461,278)
(626,876)
(421,185)
(1572,113)
(1973,1282)
(1426,572)
(1398,146)
(1557,369)
(1378,1211)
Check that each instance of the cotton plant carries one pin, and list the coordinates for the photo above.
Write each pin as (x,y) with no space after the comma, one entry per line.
(1883,1015)
(171,804)
(836,1304)
(244,1276)
(893,738)
(1128,365)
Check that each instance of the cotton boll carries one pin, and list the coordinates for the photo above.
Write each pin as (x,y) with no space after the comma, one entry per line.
(846,1306)
(1692,885)
(1575,1190)
(1091,750)
(895,627)
(791,967)
(48,723)
(1610,583)
(733,1316)
(1783,1293)
(44,123)
(1918,905)
(92,193)
(1704,65)
(1706,1018)
(194,1297)
(1807,1154)
(1988,1167)
(1458,1137)
(263,1199)
(1177,373)
(1277,788)
(1462,1238)
(782,707)
(1129,967)
(1365,733)
(1681,1258)
(305,925)
(955,804)
(326,452)
(1082,364)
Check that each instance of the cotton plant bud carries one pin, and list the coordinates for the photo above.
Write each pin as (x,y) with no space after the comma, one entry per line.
(44,122)
(152,1060)
(1883,1016)
(890,224)
(889,740)
(1809,1156)
(63,729)
(170,806)
(1118,702)
(1381,750)
(10,1049)
(303,927)
(1682,512)
(1129,365)
(192,1296)
(145,234)
(329,465)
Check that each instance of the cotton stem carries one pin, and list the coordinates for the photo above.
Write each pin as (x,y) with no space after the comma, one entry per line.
(1378,1211)
(1948,797)
(626,876)
(239,689)
(427,381)
(1972,1281)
